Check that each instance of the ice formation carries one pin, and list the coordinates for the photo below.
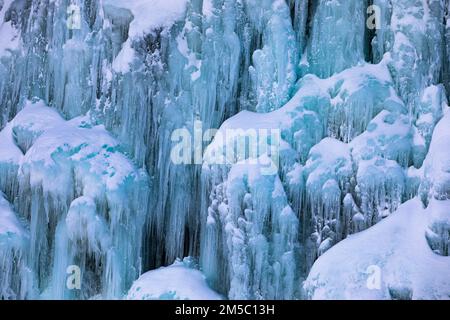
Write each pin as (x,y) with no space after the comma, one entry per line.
(180,281)
(15,277)
(79,195)
(390,261)
(350,98)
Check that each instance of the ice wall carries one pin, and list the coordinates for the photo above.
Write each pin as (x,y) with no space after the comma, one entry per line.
(337,37)
(179,281)
(352,142)
(355,97)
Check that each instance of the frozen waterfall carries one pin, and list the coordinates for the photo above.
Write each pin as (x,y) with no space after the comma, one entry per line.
(302,130)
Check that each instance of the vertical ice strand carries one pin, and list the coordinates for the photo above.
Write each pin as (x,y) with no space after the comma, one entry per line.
(93,93)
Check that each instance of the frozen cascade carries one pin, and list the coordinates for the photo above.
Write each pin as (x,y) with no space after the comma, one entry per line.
(274,66)
(402,257)
(16,280)
(337,39)
(89,104)
(63,162)
(368,173)
(412,34)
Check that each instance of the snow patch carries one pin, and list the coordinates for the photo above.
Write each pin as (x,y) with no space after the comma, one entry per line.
(176,282)
(396,249)
(150,14)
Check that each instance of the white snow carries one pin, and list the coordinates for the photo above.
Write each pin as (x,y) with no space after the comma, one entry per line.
(34,119)
(176,282)
(125,57)
(148,15)
(397,248)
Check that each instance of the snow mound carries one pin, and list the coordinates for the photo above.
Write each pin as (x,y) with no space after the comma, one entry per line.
(392,260)
(176,282)
(94,219)
(55,148)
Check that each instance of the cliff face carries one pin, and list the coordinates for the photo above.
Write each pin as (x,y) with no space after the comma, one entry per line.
(250,135)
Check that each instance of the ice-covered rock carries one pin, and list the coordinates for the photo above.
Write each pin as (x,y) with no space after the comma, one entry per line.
(10,157)
(9,32)
(16,280)
(274,69)
(249,240)
(416,45)
(436,180)
(179,281)
(348,95)
(328,173)
(363,159)
(337,37)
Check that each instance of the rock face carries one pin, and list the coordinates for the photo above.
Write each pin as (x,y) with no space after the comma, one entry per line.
(329,124)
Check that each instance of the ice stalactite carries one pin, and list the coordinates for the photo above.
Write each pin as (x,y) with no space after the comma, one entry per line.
(299,16)
(192,69)
(251,241)
(10,35)
(16,279)
(10,156)
(143,77)
(336,38)
(328,178)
